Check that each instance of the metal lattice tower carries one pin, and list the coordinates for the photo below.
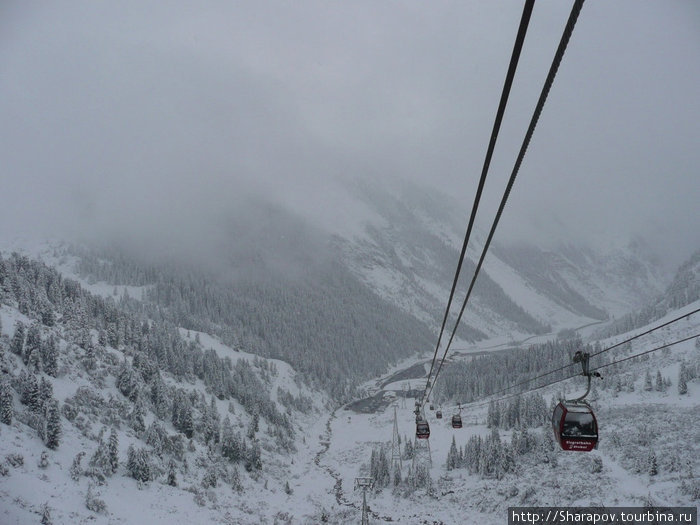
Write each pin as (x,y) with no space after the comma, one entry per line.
(364,484)
(421,447)
(421,453)
(395,447)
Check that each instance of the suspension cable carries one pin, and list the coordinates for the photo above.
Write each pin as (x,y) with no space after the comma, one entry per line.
(568,30)
(637,336)
(510,396)
(647,332)
(646,352)
(519,39)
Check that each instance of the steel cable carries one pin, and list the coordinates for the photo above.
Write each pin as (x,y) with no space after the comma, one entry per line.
(563,43)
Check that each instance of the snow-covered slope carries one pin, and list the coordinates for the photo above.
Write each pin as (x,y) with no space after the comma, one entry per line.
(409,257)
(310,478)
(106,389)
(648,451)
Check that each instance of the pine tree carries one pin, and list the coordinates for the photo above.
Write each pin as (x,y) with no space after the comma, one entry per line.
(50,356)
(251,429)
(647,382)
(210,423)
(384,476)
(33,359)
(618,385)
(172,479)
(682,384)
(53,424)
(33,343)
(236,484)
(113,450)
(45,391)
(373,466)
(17,343)
(230,443)
(136,418)
(254,461)
(127,382)
(653,466)
(660,387)
(30,393)
(493,417)
(48,317)
(138,464)
(453,456)
(76,469)
(6,410)
(89,361)
(100,461)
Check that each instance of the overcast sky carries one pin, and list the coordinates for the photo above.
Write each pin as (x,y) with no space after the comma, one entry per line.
(128,115)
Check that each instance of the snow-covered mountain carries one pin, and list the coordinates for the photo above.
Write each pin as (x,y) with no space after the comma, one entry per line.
(408,253)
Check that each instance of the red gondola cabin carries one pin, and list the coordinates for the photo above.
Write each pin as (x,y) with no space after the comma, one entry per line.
(575,427)
(438,414)
(456,421)
(422,429)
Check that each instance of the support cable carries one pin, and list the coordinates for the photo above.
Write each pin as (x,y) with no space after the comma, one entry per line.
(568,30)
(510,396)
(630,339)
(647,332)
(520,38)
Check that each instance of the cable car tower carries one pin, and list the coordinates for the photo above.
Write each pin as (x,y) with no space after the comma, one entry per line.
(364,484)
(421,442)
(395,447)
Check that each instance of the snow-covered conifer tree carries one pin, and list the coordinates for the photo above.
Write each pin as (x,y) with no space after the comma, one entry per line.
(113,449)
(453,456)
(6,410)
(17,343)
(50,356)
(138,464)
(682,384)
(53,424)
(172,478)
(660,387)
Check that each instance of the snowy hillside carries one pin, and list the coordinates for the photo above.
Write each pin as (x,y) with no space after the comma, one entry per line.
(100,406)
(111,419)
(409,258)
(648,451)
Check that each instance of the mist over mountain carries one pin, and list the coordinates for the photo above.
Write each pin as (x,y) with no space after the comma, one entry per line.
(401,254)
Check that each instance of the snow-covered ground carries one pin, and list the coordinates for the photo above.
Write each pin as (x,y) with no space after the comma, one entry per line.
(333,448)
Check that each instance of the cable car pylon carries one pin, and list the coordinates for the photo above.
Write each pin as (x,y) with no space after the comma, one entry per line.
(421,443)
(364,484)
(395,447)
